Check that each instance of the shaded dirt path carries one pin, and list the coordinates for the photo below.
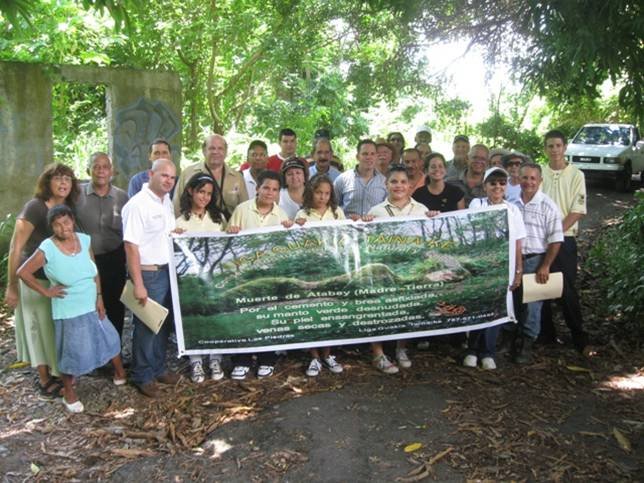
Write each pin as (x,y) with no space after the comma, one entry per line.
(563,418)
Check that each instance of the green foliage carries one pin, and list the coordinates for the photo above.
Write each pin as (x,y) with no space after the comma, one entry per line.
(78,109)
(6,232)
(616,260)
(504,128)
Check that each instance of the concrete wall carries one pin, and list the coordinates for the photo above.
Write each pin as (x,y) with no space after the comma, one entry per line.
(25,132)
(141,106)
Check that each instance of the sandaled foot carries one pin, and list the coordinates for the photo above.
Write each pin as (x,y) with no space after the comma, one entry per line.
(52,389)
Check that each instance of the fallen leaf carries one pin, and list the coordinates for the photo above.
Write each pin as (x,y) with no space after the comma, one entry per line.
(18,365)
(623,441)
(35,469)
(410,448)
(577,369)
(132,452)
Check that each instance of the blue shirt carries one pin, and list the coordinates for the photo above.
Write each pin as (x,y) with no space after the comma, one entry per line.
(138,180)
(332,173)
(356,197)
(76,273)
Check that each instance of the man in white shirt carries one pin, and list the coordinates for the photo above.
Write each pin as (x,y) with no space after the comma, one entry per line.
(256,158)
(544,235)
(148,219)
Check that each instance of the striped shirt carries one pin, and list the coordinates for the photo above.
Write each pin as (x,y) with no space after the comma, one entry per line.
(542,222)
(356,197)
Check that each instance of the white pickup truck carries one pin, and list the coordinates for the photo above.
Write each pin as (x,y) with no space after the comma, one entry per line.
(608,150)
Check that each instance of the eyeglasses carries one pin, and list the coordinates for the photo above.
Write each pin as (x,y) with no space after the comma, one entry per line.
(514,163)
(62,177)
(500,182)
(479,158)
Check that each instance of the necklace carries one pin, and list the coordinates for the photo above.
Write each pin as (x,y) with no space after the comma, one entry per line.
(70,251)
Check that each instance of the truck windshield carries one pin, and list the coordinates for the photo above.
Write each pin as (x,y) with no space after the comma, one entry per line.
(604,135)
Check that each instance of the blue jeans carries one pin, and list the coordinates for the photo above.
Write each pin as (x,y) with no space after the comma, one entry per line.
(530,319)
(482,342)
(148,348)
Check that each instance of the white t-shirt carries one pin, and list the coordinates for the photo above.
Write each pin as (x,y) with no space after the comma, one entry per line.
(287,204)
(147,222)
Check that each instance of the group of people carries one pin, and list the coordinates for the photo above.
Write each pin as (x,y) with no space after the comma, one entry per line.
(74,244)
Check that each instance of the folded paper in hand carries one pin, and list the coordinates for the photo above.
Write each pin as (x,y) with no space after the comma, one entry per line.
(152,314)
(533,291)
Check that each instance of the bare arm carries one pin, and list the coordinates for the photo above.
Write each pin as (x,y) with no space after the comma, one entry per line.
(461,204)
(570,219)
(26,274)
(543,271)
(518,266)
(134,269)
(21,234)
(100,306)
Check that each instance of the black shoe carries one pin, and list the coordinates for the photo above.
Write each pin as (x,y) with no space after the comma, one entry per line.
(506,341)
(523,351)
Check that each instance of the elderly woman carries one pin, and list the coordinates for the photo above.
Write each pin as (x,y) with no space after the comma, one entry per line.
(295,174)
(34,326)
(85,338)
(482,342)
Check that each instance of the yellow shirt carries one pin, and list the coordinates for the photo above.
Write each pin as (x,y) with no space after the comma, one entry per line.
(247,216)
(413,208)
(567,188)
(234,186)
(196,224)
(315,216)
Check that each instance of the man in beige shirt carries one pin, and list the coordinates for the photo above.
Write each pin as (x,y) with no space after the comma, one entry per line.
(566,185)
(232,188)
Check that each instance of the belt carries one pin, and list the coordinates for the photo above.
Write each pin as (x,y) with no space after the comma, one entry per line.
(532,255)
(154,268)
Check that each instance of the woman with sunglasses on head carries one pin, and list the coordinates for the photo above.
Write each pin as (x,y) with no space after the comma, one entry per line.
(34,326)
(199,213)
(482,343)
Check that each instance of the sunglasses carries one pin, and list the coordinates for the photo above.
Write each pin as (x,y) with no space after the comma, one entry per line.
(514,163)
(499,182)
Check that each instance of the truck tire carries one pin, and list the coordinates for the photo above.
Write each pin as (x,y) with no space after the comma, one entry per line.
(623,180)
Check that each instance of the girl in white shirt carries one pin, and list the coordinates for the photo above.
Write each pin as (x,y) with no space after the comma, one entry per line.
(320,205)
(199,213)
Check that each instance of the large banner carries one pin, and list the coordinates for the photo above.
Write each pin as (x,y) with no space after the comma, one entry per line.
(334,283)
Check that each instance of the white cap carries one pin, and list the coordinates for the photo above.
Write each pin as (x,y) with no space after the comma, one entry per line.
(424,128)
(495,169)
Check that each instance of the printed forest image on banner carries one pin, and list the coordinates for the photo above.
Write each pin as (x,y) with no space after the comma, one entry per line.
(341,282)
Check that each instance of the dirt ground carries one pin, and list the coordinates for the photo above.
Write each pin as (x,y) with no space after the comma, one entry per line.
(562,418)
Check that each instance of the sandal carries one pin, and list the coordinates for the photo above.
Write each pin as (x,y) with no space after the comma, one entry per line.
(52,389)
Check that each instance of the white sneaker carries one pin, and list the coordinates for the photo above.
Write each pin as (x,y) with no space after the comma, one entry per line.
(75,407)
(334,366)
(314,368)
(488,363)
(470,361)
(403,358)
(265,371)
(239,373)
(216,372)
(383,364)
(197,375)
